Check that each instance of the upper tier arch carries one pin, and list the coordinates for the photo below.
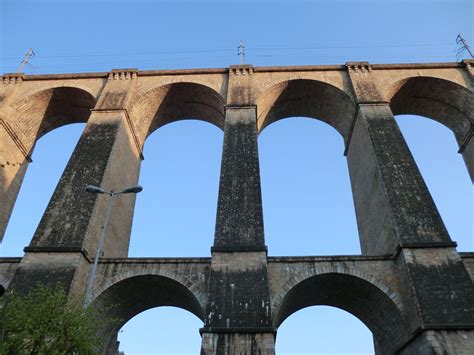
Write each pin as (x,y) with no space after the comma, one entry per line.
(173,102)
(308,98)
(34,115)
(442,100)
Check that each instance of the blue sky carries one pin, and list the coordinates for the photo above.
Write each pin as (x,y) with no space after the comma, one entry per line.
(308,208)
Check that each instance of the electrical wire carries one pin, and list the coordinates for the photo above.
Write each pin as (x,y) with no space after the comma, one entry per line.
(231,50)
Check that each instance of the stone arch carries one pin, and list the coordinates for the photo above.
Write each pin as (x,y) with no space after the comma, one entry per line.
(125,296)
(27,119)
(34,115)
(173,102)
(444,101)
(93,88)
(185,282)
(363,296)
(308,98)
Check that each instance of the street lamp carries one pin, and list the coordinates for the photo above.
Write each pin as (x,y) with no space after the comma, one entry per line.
(97,190)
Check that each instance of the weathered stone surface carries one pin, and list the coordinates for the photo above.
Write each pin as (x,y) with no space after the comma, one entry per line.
(238,343)
(391,198)
(239,209)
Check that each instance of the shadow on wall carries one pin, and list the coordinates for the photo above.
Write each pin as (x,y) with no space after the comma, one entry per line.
(67,105)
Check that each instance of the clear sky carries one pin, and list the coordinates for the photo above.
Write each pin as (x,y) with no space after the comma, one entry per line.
(308,208)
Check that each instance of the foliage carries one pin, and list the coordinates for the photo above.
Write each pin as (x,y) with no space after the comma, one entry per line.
(44,321)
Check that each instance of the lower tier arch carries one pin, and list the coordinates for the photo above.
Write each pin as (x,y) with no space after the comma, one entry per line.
(362,298)
(128,297)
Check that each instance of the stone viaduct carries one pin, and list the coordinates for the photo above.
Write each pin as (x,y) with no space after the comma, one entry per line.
(410,286)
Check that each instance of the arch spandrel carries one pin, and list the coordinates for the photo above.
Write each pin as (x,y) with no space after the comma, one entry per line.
(363,296)
(173,102)
(447,102)
(306,98)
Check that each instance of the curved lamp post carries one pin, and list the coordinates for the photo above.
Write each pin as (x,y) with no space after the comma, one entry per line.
(97,190)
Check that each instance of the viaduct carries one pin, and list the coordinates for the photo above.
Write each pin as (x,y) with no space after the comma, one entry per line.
(409,286)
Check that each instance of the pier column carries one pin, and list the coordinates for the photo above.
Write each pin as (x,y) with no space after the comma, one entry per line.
(14,155)
(238,315)
(396,215)
(467,143)
(67,236)
(13,165)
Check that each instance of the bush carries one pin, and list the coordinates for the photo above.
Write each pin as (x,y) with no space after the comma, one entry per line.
(44,321)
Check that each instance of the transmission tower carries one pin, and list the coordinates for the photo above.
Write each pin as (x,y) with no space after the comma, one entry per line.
(26,60)
(463,46)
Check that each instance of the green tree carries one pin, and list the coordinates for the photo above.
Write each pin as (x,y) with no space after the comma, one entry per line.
(45,321)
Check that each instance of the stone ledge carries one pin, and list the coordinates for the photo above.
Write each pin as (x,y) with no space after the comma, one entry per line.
(428,327)
(238,249)
(262,69)
(237,330)
(423,245)
(10,260)
(204,260)
(328,258)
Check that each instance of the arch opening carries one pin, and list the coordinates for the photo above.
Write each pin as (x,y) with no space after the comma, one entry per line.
(174,102)
(182,190)
(306,98)
(306,190)
(133,295)
(161,329)
(433,148)
(323,330)
(51,155)
(355,295)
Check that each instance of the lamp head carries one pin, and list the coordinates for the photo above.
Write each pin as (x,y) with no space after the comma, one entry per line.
(132,190)
(94,189)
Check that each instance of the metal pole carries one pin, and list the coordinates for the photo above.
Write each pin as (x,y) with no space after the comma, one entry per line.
(90,281)
(241,52)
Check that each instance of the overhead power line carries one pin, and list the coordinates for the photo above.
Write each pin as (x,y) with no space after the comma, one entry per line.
(229,50)
(268,60)
(353,47)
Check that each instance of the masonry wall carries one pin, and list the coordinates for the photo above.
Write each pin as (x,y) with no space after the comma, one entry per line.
(410,286)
